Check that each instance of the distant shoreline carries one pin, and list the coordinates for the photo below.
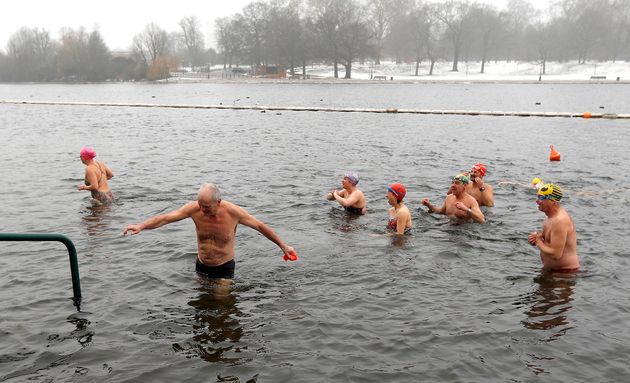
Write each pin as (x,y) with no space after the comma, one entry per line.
(326,80)
(436,80)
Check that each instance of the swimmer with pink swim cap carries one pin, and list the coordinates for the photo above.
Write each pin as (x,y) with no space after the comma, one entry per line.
(88,153)
(96,176)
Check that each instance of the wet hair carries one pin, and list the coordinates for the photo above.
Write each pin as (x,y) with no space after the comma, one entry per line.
(215,193)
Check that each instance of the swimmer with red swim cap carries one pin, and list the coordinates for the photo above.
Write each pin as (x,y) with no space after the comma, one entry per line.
(558,240)
(478,188)
(399,215)
(459,205)
(350,197)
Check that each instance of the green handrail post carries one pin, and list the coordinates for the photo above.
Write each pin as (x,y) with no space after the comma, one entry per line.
(72,254)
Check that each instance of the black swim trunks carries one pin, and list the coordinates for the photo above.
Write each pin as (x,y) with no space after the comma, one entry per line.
(354,210)
(225,271)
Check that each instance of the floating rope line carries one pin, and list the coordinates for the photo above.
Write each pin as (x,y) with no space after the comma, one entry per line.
(336,110)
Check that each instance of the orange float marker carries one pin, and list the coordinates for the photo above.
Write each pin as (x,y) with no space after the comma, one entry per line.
(587,115)
(292,256)
(554,155)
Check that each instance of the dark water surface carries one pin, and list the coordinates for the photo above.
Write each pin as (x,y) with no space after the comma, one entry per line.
(450,303)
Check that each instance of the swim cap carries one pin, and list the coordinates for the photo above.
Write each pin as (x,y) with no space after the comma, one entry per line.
(537,183)
(551,191)
(398,190)
(353,177)
(481,167)
(88,153)
(462,177)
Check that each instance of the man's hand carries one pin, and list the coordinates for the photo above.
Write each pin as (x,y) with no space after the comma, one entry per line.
(533,237)
(461,206)
(425,202)
(133,228)
(289,254)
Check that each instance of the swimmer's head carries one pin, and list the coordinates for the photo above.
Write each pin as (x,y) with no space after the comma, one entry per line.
(462,178)
(353,177)
(209,191)
(537,183)
(398,190)
(549,191)
(88,153)
(479,167)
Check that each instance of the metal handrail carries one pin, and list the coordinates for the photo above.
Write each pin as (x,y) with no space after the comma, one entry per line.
(72,254)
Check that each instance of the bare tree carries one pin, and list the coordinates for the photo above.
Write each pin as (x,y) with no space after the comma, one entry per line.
(232,33)
(192,39)
(151,44)
(286,34)
(326,16)
(487,26)
(354,35)
(379,22)
(30,56)
(455,16)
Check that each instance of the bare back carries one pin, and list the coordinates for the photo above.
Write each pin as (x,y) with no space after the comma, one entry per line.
(99,171)
(560,231)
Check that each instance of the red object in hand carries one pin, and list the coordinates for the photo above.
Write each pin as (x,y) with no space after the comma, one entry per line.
(292,256)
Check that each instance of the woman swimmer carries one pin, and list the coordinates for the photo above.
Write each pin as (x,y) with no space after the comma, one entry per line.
(96,176)
(399,215)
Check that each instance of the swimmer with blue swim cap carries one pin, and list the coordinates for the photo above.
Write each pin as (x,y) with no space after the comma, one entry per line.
(350,197)
(557,242)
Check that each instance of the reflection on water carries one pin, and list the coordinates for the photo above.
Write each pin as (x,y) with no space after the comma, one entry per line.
(551,303)
(93,220)
(216,329)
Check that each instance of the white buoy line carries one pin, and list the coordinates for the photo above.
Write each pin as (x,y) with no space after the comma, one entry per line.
(336,110)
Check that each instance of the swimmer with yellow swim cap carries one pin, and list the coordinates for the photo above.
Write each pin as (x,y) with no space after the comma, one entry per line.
(537,183)
(557,242)
(458,205)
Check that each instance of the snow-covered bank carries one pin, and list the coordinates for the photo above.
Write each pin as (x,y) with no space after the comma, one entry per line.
(494,71)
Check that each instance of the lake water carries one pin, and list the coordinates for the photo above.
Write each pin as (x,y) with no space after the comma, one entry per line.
(450,303)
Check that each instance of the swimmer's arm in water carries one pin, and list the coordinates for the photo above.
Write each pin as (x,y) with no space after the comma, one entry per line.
(401,222)
(91,179)
(162,219)
(558,241)
(432,207)
(345,202)
(250,221)
(108,172)
(475,213)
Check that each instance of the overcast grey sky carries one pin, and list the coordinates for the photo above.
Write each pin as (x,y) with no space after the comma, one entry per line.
(119,20)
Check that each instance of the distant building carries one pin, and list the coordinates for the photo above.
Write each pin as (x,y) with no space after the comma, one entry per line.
(270,71)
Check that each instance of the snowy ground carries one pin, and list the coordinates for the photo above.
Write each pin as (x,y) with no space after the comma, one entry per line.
(495,71)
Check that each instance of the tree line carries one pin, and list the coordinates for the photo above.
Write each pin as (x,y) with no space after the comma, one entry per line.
(292,34)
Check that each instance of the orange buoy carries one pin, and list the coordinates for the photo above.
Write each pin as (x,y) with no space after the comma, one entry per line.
(554,155)
(587,115)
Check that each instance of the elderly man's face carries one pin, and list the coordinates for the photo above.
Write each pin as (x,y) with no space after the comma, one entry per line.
(208,206)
